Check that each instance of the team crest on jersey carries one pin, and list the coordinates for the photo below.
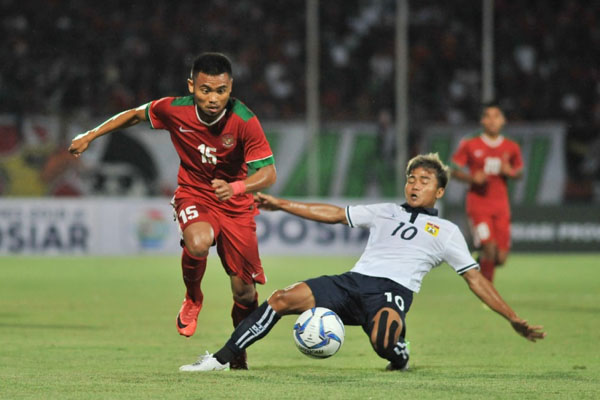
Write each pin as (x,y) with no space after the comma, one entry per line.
(228,140)
(432,229)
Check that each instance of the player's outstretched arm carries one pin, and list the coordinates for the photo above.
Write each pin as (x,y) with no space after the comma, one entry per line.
(319,212)
(122,120)
(488,294)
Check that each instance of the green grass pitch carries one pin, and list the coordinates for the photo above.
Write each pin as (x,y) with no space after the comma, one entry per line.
(104,328)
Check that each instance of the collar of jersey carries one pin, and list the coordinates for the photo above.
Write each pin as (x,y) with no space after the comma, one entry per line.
(492,142)
(422,210)
(210,123)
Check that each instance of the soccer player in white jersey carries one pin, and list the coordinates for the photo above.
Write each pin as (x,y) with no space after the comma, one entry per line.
(405,242)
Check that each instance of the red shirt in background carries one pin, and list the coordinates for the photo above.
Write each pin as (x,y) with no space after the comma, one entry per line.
(482,153)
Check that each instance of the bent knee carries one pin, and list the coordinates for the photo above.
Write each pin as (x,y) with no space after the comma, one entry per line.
(198,245)
(386,330)
(294,299)
(501,257)
(279,300)
(246,297)
(284,302)
(489,251)
(387,337)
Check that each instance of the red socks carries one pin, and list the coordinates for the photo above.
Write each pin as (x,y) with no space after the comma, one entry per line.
(193,270)
(240,311)
(487,268)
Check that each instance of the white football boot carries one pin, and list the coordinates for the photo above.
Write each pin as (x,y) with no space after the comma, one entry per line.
(205,363)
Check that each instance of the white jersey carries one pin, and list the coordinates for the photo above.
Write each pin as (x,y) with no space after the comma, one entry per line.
(405,244)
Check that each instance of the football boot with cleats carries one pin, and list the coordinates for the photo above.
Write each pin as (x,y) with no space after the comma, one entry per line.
(187,319)
(205,363)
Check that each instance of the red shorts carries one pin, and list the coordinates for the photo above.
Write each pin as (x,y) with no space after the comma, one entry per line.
(235,237)
(487,228)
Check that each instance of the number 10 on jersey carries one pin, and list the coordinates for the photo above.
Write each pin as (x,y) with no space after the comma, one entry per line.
(406,233)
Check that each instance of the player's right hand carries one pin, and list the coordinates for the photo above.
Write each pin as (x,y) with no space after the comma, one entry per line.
(529,332)
(79,144)
(267,202)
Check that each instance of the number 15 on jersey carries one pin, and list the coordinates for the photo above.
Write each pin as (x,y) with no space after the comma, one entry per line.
(207,154)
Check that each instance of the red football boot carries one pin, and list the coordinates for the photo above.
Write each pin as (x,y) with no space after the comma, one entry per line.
(187,319)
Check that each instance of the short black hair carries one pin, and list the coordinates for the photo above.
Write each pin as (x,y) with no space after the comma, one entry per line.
(490,104)
(433,162)
(211,64)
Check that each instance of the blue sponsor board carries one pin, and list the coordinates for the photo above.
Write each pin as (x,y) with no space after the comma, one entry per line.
(281,233)
(44,228)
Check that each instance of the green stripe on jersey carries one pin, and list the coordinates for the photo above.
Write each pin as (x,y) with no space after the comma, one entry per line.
(183,101)
(241,110)
(148,115)
(261,163)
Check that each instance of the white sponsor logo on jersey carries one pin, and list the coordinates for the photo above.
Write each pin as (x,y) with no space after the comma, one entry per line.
(185,130)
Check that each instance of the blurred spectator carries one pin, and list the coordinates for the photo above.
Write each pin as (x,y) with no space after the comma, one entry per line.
(68,57)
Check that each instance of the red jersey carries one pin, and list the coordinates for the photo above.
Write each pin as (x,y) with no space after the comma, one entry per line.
(223,150)
(481,153)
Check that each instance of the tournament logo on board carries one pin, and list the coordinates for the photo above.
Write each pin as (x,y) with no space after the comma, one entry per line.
(432,229)
(228,140)
(152,229)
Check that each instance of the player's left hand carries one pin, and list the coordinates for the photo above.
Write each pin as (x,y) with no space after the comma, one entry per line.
(222,189)
(529,332)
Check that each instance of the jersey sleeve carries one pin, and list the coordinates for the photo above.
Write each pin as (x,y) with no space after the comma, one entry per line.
(156,112)
(461,155)
(457,254)
(257,152)
(361,216)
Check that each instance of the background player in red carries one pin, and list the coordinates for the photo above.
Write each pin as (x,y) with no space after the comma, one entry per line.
(491,159)
(217,138)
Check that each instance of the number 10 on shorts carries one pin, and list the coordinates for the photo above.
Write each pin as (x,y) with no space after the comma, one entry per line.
(188,213)
(398,300)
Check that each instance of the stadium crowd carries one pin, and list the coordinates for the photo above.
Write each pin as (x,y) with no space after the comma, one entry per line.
(91,59)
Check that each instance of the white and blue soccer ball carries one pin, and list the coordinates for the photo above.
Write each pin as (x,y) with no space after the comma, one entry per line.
(319,332)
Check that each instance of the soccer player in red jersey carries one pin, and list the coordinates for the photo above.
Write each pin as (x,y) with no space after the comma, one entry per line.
(491,159)
(217,138)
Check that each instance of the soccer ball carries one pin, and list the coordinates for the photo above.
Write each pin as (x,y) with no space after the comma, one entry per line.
(319,332)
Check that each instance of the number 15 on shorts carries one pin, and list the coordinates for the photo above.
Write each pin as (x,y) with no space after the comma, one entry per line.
(188,213)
